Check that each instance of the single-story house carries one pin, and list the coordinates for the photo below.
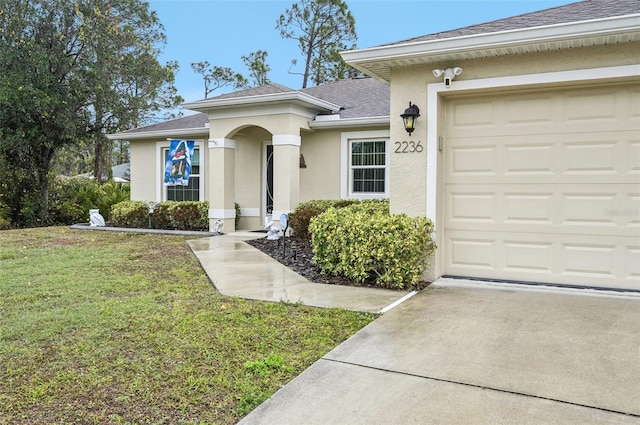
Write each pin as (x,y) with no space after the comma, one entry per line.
(525,153)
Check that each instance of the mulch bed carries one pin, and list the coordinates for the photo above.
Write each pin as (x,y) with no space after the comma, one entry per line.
(297,256)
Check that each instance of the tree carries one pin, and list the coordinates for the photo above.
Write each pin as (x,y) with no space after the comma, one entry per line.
(322,29)
(258,67)
(216,77)
(71,72)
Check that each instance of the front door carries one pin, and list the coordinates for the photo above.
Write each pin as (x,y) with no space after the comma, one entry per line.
(268,180)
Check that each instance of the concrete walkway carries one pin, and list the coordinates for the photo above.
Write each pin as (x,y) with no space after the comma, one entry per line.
(240,270)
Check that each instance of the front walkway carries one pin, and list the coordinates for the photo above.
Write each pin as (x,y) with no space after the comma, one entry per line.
(240,270)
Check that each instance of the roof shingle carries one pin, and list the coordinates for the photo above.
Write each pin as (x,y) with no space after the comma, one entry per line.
(359,98)
(198,120)
(574,12)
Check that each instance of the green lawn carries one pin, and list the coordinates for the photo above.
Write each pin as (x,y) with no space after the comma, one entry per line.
(103,327)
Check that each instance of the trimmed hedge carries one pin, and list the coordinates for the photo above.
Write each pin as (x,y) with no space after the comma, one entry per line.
(130,214)
(365,243)
(300,218)
(168,215)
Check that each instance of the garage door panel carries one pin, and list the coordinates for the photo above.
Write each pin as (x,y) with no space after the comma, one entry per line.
(561,209)
(530,159)
(475,116)
(472,253)
(544,186)
(600,158)
(577,260)
(568,112)
(474,160)
(578,107)
(589,157)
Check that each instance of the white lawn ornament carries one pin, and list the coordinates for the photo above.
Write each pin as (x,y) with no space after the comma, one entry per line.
(272,232)
(217,226)
(96,219)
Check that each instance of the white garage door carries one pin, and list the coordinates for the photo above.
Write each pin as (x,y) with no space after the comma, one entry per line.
(544,186)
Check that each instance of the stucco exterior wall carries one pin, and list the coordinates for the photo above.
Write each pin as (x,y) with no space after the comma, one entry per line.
(273,123)
(321,178)
(408,170)
(144,169)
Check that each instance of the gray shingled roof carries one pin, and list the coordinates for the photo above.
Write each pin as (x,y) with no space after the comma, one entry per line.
(573,12)
(271,88)
(198,120)
(359,98)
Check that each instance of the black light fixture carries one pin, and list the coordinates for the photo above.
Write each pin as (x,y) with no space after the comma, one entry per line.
(409,117)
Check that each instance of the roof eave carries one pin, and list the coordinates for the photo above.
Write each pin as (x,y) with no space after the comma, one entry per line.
(294,97)
(351,122)
(378,61)
(159,134)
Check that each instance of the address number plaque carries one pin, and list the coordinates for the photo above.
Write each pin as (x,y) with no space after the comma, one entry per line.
(409,147)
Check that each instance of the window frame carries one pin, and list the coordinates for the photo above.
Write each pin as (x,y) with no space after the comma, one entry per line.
(347,139)
(162,191)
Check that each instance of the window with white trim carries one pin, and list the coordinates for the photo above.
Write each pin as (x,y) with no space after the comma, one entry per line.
(368,165)
(191,192)
(365,164)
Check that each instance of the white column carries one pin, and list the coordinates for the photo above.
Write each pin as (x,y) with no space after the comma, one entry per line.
(221,183)
(286,174)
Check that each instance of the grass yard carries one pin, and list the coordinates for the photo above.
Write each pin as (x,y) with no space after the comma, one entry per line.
(120,328)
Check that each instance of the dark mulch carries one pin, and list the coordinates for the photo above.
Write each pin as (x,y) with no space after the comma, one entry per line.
(297,255)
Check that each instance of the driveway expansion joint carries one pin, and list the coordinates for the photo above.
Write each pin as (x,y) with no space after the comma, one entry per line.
(482,387)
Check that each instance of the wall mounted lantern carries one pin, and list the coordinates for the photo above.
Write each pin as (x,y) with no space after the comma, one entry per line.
(409,117)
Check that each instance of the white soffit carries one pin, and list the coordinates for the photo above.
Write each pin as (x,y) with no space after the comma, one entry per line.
(350,122)
(378,61)
(159,134)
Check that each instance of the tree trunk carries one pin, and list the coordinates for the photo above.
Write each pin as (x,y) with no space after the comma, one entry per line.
(102,166)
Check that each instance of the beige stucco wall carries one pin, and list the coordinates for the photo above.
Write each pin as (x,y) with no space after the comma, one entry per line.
(281,123)
(144,169)
(408,171)
(321,178)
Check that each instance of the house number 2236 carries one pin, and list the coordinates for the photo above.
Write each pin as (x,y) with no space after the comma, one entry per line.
(409,147)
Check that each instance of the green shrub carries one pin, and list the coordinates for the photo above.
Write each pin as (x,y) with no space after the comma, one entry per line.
(130,214)
(168,215)
(300,218)
(5,223)
(238,213)
(112,193)
(365,243)
(190,215)
(70,199)
(162,215)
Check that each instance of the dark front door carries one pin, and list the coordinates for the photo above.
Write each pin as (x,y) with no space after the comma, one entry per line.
(269,182)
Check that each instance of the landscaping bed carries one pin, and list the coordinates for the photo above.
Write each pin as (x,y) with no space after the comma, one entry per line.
(297,256)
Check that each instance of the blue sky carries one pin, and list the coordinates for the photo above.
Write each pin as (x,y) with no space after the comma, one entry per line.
(222,31)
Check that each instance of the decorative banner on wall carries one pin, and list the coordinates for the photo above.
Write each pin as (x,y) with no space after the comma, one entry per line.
(178,166)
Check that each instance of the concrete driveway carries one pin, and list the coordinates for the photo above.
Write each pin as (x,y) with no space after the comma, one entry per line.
(469,353)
